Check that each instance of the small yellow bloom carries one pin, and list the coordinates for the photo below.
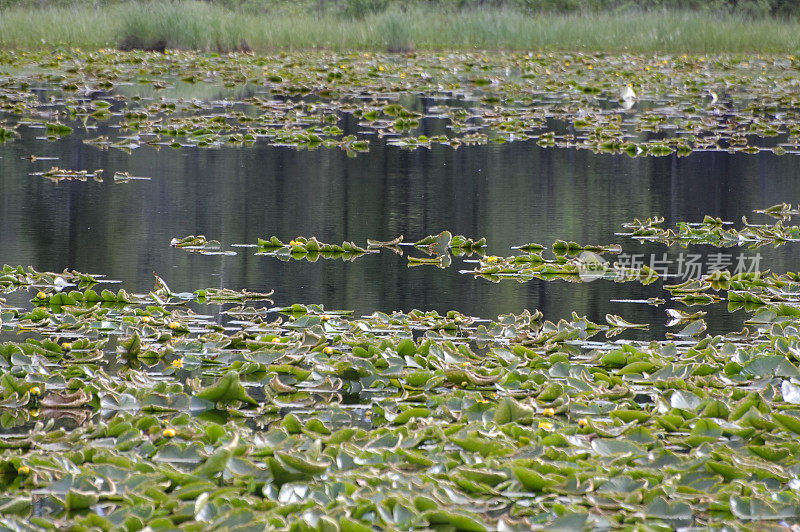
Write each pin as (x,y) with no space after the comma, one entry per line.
(276,340)
(34,412)
(546,425)
(589,67)
(23,470)
(491,258)
(66,346)
(177,363)
(35,391)
(168,433)
(549,412)
(328,350)
(147,319)
(381,68)
(463,383)
(566,63)
(41,295)
(583,422)
(324,317)
(402,75)
(174,325)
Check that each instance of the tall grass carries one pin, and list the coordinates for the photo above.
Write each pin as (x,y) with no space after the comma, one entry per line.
(199,25)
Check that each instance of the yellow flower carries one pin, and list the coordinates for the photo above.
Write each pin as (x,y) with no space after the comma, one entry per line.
(41,295)
(463,383)
(174,325)
(546,425)
(276,340)
(402,75)
(324,317)
(147,319)
(583,422)
(177,363)
(66,346)
(168,433)
(34,412)
(328,350)
(549,412)
(491,258)
(381,68)
(35,391)
(23,470)
(589,67)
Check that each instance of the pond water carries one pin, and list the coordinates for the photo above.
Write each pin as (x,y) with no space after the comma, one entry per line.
(234,409)
(511,194)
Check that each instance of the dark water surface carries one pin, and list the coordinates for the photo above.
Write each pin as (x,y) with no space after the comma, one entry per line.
(511,194)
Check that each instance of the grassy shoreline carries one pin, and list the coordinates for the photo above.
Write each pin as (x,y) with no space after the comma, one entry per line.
(203,26)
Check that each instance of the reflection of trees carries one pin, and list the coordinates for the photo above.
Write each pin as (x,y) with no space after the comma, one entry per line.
(511,194)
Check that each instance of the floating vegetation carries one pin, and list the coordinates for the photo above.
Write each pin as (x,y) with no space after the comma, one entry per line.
(712,231)
(214,409)
(199,244)
(445,241)
(194,242)
(784,211)
(392,245)
(684,103)
(6,134)
(57,174)
(125,177)
(460,421)
(586,267)
(309,249)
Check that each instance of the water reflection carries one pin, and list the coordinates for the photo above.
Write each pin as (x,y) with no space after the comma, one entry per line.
(511,194)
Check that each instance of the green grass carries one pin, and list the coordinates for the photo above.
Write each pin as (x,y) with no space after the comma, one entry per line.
(200,25)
